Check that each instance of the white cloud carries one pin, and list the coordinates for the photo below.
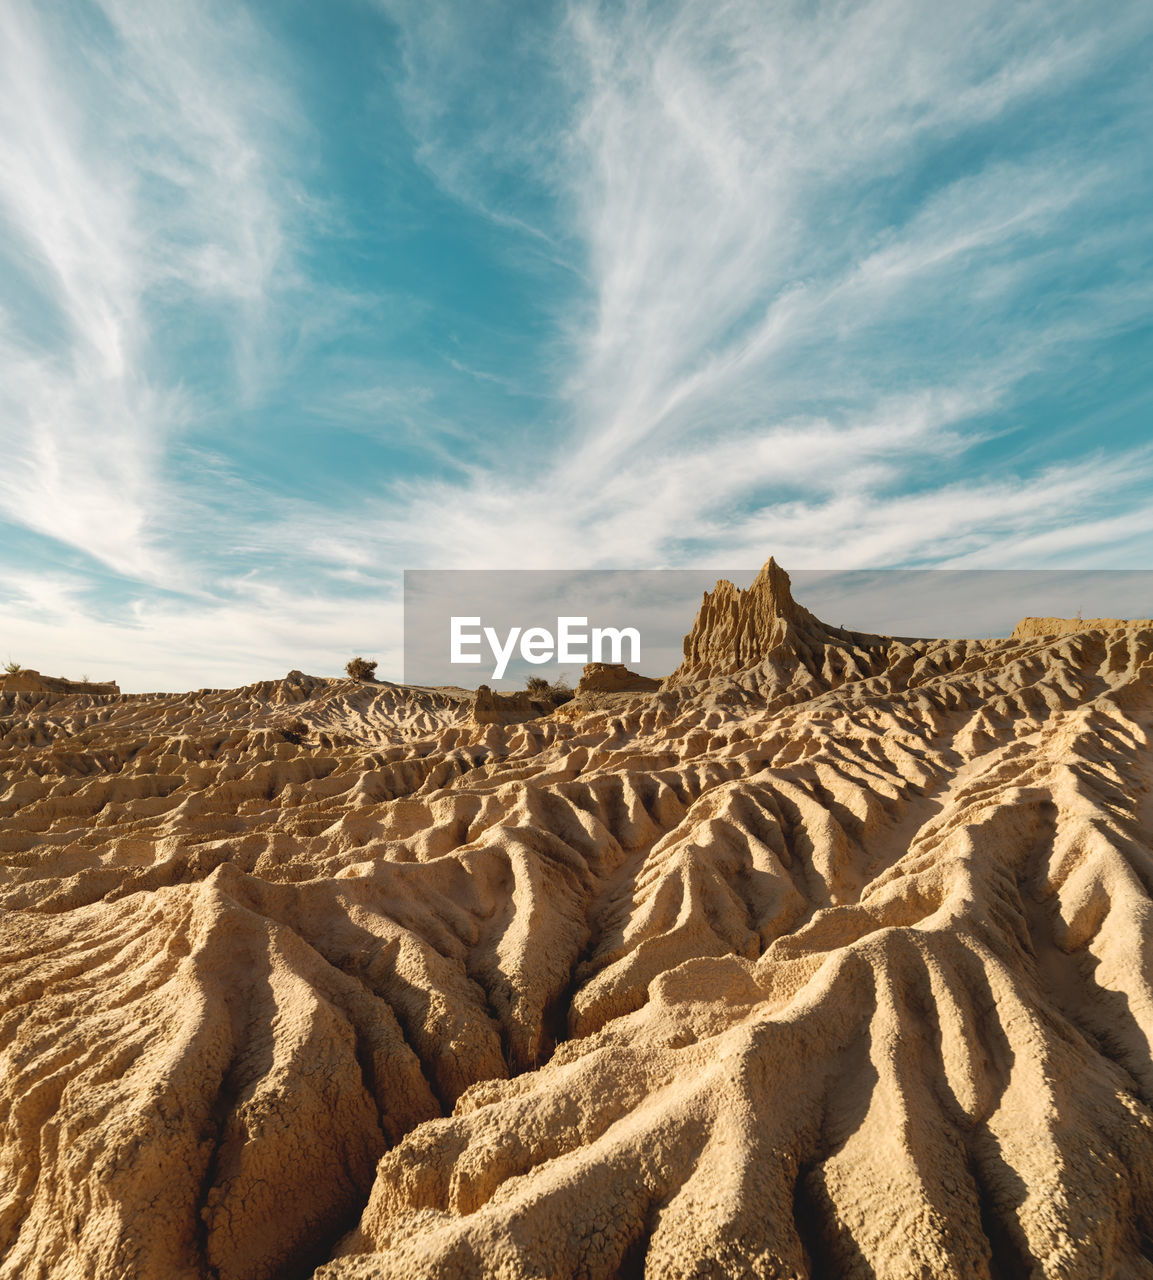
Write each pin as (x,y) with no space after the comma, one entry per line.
(136,171)
(759,239)
(843,504)
(720,174)
(260,631)
(821,251)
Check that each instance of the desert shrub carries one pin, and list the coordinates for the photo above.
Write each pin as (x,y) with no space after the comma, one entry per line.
(360,669)
(12,668)
(294,731)
(556,692)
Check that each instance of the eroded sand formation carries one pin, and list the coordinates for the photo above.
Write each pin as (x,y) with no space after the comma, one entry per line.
(832,958)
(1030,628)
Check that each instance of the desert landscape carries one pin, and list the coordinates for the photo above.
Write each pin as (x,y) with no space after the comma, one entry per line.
(831,956)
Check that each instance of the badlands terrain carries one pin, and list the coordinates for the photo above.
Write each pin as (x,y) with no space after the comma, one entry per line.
(831,957)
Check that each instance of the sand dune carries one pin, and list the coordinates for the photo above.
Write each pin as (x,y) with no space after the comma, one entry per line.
(831,957)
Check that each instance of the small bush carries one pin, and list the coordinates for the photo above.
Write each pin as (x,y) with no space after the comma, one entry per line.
(13,668)
(556,693)
(294,731)
(360,669)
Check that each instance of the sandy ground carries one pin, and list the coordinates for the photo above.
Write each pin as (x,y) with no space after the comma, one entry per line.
(831,958)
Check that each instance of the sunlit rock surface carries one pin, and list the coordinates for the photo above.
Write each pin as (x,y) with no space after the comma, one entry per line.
(831,958)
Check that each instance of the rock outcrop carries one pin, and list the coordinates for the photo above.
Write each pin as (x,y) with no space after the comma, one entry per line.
(28,681)
(1031,628)
(735,629)
(614,677)
(762,638)
(489,707)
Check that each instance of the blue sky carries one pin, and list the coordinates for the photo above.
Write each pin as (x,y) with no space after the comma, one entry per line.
(294,297)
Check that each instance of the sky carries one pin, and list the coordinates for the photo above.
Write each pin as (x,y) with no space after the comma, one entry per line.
(295,297)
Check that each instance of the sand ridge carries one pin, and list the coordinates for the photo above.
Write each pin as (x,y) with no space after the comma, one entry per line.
(830,957)
(1030,627)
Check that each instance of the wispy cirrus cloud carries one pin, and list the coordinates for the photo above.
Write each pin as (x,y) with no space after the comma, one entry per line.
(250,631)
(749,181)
(818,493)
(830,255)
(604,283)
(141,200)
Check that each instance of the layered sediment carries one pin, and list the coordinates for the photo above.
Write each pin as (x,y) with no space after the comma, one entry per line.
(830,957)
(1031,628)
